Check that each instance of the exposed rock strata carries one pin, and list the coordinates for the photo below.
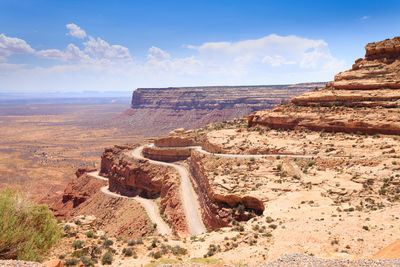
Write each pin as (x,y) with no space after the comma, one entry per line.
(131,177)
(157,111)
(364,99)
(166,154)
(174,141)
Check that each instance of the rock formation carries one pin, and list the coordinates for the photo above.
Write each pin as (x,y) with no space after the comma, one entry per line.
(364,99)
(217,207)
(130,177)
(156,111)
(119,217)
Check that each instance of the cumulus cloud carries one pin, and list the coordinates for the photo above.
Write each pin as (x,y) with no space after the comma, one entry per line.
(11,45)
(100,49)
(95,64)
(156,53)
(75,31)
(71,54)
(273,49)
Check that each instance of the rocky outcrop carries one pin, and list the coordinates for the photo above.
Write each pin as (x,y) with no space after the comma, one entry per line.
(119,217)
(166,154)
(217,209)
(79,190)
(174,141)
(364,99)
(156,111)
(131,177)
(379,69)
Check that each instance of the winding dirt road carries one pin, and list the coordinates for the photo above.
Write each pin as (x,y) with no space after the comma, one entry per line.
(189,199)
(149,205)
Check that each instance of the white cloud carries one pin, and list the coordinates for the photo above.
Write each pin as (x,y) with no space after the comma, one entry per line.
(156,53)
(276,60)
(97,65)
(75,31)
(273,49)
(11,45)
(71,54)
(364,18)
(100,49)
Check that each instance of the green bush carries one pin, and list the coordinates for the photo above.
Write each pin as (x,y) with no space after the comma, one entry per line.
(108,243)
(107,258)
(27,230)
(90,234)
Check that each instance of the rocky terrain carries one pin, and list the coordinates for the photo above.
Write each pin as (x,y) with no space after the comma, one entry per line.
(363,99)
(318,176)
(160,110)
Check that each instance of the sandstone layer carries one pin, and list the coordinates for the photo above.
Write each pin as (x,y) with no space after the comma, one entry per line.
(166,154)
(130,177)
(365,99)
(157,111)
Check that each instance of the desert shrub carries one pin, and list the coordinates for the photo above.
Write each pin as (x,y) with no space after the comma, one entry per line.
(107,258)
(71,262)
(273,226)
(87,261)
(177,250)
(107,243)
(27,230)
(78,244)
(80,252)
(157,255)
(127,251)
(89,234)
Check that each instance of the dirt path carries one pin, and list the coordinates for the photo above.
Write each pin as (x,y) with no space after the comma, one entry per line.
(189,199)
(255,156)
(149,205)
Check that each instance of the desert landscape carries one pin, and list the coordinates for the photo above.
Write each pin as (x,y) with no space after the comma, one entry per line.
(42,144)
(213,134)
(274,183)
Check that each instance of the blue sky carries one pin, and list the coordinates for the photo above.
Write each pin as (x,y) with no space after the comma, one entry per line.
(120,45)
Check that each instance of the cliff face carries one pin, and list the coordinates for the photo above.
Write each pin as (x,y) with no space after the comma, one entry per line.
(131,177)
(363,99)
(159,110)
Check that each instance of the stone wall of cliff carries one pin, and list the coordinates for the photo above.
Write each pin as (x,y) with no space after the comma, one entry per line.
(131,177)
(156,111)
(364,99)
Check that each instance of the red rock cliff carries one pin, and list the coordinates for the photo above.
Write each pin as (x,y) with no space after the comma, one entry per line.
(363,99)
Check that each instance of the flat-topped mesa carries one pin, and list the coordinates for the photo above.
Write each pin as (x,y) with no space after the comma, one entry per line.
(380,69)
(156,111)
(216,97)
(364,99)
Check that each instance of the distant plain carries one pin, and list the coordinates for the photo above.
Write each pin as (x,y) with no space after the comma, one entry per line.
(42,143)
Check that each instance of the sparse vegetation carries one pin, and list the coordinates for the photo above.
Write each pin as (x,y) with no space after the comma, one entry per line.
(27,230)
